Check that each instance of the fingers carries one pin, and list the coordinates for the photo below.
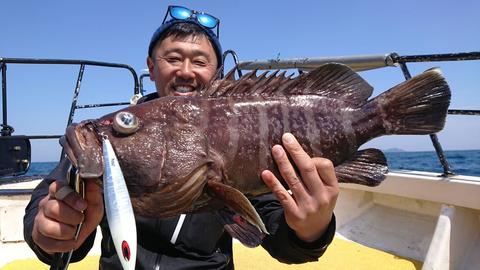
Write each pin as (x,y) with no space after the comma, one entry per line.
(51,245)
(279,191)
(55,225)
(326,171)
(51,228)
(303,162)
(61,211)
(72,199)
(288,172)
(315,188)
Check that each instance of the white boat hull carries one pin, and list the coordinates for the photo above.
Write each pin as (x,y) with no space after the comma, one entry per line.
(416,215)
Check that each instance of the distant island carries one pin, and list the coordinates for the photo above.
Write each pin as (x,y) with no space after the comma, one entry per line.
(390,150)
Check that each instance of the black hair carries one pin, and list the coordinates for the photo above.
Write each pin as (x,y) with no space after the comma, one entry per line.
(184,29)
(181,30)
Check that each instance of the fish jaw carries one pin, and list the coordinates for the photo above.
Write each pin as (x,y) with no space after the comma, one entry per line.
(82,146)
(118,208)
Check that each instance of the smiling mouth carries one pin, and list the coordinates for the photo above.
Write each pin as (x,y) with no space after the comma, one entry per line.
(182,90)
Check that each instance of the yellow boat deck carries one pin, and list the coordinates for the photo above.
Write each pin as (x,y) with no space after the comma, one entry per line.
(342,254)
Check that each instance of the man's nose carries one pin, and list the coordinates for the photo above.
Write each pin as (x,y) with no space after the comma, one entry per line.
(186,71)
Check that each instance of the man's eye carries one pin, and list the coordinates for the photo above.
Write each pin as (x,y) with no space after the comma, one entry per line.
(173,59)
(200,63)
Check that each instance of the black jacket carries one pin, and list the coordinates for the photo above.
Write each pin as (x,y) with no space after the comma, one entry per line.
(201,244)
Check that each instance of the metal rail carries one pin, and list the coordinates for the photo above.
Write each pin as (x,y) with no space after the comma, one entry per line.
(142,76)
(356,62)
(464,112)
(34,137)
(7,130)
(235,60)
(3,64)
(436,57)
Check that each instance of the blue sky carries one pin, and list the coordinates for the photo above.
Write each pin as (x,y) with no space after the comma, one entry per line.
(119,31)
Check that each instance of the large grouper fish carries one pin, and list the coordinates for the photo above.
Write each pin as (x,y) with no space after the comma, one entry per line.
(185,154)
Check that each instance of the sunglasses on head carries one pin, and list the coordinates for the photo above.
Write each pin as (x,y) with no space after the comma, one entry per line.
(183,13)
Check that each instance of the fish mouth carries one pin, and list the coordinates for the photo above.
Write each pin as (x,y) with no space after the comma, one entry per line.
(83,149)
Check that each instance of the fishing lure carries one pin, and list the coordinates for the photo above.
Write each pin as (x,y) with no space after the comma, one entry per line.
(118,207)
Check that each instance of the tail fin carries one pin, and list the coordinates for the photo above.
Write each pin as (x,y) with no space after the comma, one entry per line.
(416,106)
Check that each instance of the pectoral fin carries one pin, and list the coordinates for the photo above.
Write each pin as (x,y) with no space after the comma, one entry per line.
(244,223)
(368,167)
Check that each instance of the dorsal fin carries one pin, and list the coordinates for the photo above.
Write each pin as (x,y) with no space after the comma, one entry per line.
(242,85)
(333,80)
(330,80)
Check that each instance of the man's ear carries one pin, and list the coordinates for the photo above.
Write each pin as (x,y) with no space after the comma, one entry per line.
(151,67)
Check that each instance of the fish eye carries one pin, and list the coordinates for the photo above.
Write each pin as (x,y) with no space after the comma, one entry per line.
(125,123)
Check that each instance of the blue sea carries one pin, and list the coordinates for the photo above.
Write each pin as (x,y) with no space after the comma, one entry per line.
(465,162)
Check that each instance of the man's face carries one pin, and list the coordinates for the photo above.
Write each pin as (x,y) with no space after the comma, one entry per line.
(179,66)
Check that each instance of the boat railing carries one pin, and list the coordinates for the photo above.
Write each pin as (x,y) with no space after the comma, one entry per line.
(15,149)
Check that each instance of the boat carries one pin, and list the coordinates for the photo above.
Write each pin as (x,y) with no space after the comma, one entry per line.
(413,220)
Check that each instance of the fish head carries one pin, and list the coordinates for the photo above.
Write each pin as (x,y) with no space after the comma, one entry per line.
(136,135)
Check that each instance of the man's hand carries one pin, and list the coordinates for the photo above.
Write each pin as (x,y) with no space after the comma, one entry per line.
(309,210)
(58,216)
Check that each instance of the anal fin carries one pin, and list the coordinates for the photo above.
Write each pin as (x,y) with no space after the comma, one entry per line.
(238,227)
(368,167)
(249,229)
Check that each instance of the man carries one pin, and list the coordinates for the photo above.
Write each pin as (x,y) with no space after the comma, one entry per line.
(184,54)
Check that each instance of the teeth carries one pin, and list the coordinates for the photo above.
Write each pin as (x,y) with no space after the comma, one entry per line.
(183,89)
